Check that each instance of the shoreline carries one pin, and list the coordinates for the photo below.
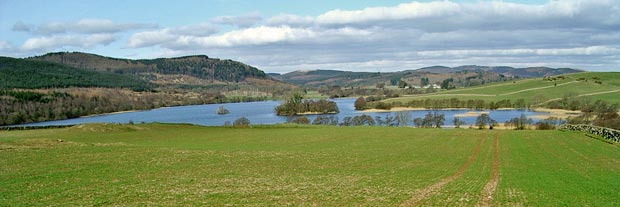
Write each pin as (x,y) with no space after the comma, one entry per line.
(314,113)
(110,113)
(558,113)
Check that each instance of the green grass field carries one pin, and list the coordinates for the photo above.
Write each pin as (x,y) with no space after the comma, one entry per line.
(161,164)
(530,89)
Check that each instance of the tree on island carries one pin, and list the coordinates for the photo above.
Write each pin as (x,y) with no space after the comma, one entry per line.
(295,105)
(360,103)
(221,110)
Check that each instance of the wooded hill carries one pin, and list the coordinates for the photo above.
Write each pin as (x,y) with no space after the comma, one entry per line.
(32,74)
(199,66)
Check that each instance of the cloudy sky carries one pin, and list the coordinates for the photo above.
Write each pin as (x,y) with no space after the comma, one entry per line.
(358,35)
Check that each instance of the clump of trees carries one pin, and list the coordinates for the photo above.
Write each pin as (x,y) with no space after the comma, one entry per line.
(519,123)
(430,120)
(361,120)
(549,123)
(483,120)
(299,120)
(297,105)
(242,122)
(477,104)
(360,103)
(325,120)
(599,113)
(457,122)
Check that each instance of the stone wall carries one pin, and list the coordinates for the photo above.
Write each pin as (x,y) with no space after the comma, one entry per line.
(607,133)
(12,128)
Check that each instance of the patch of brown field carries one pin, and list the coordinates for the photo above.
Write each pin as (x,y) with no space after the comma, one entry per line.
(395,109)
(471,114)
(423,193)
(180,79)
(486,196)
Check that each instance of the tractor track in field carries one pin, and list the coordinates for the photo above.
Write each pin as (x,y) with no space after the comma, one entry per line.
(423,193)
(486,196)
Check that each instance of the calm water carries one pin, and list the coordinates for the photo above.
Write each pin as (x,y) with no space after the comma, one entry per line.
(256,112)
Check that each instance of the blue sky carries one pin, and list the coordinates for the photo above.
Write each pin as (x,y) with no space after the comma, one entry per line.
(281,36)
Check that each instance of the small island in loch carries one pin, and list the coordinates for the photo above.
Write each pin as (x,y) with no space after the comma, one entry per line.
(296,105)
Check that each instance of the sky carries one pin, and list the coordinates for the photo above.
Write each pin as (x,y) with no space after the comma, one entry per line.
(357,35)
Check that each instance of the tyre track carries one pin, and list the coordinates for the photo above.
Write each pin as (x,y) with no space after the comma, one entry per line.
(486,196)
(423,193)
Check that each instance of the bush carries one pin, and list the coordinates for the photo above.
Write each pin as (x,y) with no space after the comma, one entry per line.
(544,126)
(300,120)
(241,123)
(325,120)
(383,105)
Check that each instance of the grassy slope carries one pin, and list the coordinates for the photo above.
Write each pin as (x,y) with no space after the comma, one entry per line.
(329,166)
(530,88)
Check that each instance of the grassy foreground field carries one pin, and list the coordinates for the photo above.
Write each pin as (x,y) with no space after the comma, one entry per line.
(536,88)
(159,164)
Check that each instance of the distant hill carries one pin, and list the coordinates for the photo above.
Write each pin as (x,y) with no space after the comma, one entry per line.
(336,77)
(30,74)
(199,66)
(460,76)
(529,72)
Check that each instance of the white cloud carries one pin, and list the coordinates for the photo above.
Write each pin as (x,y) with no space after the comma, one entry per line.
(58,41)
(290,20)
(262,35)
(242,21)
(22,27)
(4,46)
(403,11)
(83,26)
(168,35)
(581,51)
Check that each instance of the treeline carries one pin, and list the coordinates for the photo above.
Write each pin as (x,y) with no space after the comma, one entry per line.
(449,103)
(339,92)
(31,74)
(18,107)
(401,118)
(297,105)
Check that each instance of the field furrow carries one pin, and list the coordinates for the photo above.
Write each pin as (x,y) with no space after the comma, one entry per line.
(423,193)
(486,196)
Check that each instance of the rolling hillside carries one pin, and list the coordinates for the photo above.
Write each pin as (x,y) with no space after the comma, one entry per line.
(199,66)
(461,76)
(528,72)
(595,85)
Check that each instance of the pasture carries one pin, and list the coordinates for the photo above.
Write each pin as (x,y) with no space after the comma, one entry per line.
(536,89)
(166,164)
